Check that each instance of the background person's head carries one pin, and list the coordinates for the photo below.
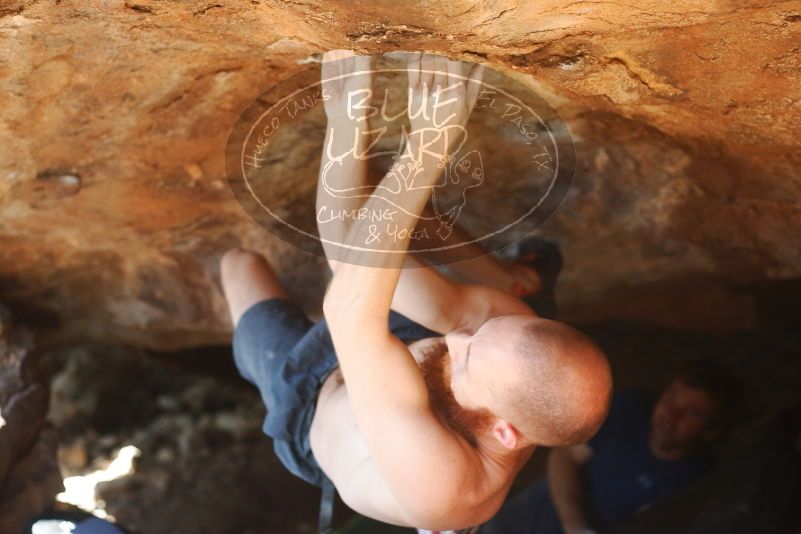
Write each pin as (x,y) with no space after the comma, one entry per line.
(542,381)
(697,407)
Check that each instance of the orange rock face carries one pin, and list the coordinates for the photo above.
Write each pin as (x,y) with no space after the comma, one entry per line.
(114,206)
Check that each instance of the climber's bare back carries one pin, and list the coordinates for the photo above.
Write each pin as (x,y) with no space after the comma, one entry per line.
(338,446)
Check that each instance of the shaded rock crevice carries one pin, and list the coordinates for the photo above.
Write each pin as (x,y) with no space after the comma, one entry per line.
(29,473)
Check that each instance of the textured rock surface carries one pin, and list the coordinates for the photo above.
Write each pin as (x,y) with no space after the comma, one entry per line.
(31,484)
(29,474)
(113,202)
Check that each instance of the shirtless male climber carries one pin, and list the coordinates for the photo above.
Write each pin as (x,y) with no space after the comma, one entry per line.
(418,398)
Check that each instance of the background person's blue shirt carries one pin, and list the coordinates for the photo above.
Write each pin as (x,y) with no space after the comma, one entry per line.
(623,475)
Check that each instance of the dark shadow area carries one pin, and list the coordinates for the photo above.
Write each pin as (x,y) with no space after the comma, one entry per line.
(205,466)
(755,485)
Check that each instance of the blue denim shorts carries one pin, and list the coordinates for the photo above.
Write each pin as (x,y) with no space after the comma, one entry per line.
(288,357)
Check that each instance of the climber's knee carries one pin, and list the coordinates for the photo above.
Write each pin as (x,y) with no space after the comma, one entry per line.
(247,278)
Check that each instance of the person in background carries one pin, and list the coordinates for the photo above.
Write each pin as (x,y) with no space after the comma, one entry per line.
(647,449)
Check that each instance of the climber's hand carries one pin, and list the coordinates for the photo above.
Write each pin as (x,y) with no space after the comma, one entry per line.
(345,94)
(442,94)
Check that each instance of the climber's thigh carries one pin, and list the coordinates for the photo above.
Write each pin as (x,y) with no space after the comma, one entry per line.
(247,278)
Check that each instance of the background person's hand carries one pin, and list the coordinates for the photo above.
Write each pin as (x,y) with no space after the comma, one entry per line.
(336,89)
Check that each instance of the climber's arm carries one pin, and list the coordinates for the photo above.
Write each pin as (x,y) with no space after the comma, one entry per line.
(343,183)
(442,305)
(383,380)
(386,390)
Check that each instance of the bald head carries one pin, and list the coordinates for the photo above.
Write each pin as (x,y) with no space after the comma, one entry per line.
(560,389)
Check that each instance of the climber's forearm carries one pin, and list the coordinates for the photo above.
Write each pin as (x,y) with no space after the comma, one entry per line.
(344,184)
(372,261)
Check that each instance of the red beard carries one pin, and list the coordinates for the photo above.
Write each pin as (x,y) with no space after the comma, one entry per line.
(464,421)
